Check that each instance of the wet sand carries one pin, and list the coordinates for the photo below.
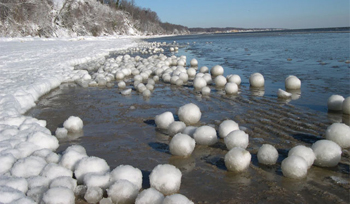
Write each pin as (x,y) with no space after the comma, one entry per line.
(121,130)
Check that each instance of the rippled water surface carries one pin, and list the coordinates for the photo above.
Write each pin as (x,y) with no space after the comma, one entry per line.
(122,131)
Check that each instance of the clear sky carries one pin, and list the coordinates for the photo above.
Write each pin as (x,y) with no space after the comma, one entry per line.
(252,13)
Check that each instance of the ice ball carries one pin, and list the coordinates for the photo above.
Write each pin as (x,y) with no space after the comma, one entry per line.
(226,127)
(217,70)
(237,138)
(6,161)
(90,165)
(335,103)
(177,199)
(64,181)
(204,69)
(231,88)
(205,91)
(189,113)
(237,159)
(100,180)
(61,133)
(59,195)
(150,196)
(93,194)
(292,82)
(73,124)
(194,63)
(346,106)
(234,79)
(176,127)
(339,133)
(70,159)
(181,145)
(267,154)
(256,80)
(166,179)
(52,171)
(129,173)
(205,135)
(294,167)
(123,191)
(9,194)
(199,83)
(220,81)
(328,153)
(29,166)
(304,152)
(189,130)
(164,120)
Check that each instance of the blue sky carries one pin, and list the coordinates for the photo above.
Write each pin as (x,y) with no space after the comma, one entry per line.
(252,13)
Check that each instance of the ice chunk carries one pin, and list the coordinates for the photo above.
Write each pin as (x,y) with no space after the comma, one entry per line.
(123,191)
(29,166)
(150,196)
(59,195)
(166,179)
(90,165)
(129,173)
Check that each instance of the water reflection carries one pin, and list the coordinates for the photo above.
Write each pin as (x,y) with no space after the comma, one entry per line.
(186,165)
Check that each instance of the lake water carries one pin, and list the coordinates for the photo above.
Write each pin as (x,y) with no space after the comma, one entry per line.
(121,129)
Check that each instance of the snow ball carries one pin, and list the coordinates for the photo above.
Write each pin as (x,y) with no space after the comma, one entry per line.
(181,145)
(204,69)
(194,63)
(256,80)
(328,153)
(70,159)
(199,83)
(146,93)
(59,195)
(97,180)
(38,181)
(52,171)
(37,193)
(234,79)
(93,194)
(346,106)
(24,200)
(26,149)
(183,77)
(177,199)
(237,159)
(29,166)
(226,127)
(231,88)
(64,181)
(237,138)
(149,196)
(267,154)
(90,165)
(164,120)
(220,81)
(189,113)
(335,103)
(121,84)
(44,140)
(294,167)
(6,161)
(61,133)
(283,94)
(123,191)
(217,70)
(205,135)
(17,183)
(8,194)
(129,173)
(48,155)
(189,130)
(176,127)
(305,152)
(73,124)
(205,91)
(166,179)
(292,83)
(119,75)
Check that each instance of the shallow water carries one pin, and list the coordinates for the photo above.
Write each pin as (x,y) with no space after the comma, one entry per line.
(121,129)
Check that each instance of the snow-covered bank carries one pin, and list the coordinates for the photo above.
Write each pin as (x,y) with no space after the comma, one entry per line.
(31,67)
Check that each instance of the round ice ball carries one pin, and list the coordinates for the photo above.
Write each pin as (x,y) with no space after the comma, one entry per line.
(150,196)
(294,167)
(176,127)
(101,180)
(339,133)
(237,138)
(199,83)
(292,82)
(335,103)
(164,120)
(205,135)
(181,145)
(267,154)
(226,127)
(189,130)
(129,173)
(189,113)
(191,72)
(93,194)
(6,161)
(328,153)
(73,124)
(194,63)
(304,152)
(231,88)
(59,195)
(237,159)
(29,166)
(204,69)
(346,106)
(220,81)
(205,91)
(90,165)
(256,80)
(123,191)
(234,79)
(166,179)
(217,70)
(177,199)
